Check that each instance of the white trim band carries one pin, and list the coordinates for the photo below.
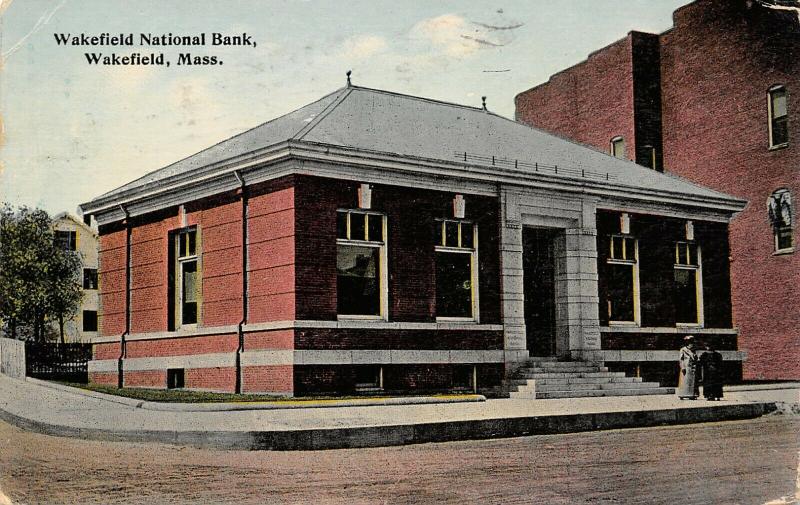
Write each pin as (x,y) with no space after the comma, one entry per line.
(310,357)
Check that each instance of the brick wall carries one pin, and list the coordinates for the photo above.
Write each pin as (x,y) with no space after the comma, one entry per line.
(221,379)
(324,338)
(268,379)
(220,223)
(111,278)
(716,133)
(331,379)
(183,346)
(411,215)
(145,379)
(271,259)
(284,215)
(104,378)
(716,65)
(656,237)
(149,263)
(591,102)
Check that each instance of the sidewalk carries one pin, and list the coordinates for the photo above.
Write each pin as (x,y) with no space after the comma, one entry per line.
(70,413)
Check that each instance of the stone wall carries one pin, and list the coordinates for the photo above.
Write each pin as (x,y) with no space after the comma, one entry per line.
(12,358)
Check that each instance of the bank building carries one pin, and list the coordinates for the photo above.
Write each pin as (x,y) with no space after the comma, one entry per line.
(375,242)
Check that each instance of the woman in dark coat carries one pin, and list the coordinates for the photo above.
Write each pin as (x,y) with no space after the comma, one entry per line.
(711,363)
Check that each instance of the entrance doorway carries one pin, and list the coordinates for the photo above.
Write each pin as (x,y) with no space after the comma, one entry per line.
(538,256)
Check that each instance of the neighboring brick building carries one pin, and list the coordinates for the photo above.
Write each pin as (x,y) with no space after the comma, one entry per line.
(372,241)
(711,100)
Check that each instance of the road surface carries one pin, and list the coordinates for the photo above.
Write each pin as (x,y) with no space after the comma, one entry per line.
(719,463)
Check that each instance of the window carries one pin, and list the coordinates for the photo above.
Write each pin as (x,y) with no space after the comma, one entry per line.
(688,293)
(779,208)
(622,299)
(778,116)
(186,277)
(465,378)
(89,278)
(89,320)
(618,147)
(368,378)
(456,270)
(361,264)
(651,161)
(175,378)
(67,240)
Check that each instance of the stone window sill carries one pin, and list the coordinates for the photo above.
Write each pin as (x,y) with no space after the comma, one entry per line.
(781,252)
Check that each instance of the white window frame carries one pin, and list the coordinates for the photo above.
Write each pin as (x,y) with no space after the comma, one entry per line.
(770,112)
(180,261)
(634,264)
(473,252)
(612,148)
(698,282)
(777,230)
(383,282)
(784,250)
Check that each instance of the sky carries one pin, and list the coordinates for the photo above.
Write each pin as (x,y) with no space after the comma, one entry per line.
(72,131)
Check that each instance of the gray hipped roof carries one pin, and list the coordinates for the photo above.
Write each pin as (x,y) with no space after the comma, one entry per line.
(378,121)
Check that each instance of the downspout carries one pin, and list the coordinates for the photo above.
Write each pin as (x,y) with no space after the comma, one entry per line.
(122,342)
(240,328)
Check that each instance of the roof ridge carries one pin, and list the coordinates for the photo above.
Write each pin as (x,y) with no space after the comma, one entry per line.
(424,99)
(327,110)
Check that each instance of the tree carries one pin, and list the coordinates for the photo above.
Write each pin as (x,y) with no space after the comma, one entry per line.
(39,281)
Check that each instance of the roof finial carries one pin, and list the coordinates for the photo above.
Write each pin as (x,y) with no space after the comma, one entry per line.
(348,77)
(484,102)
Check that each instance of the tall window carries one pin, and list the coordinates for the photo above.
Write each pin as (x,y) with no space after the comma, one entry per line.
(778,116)
(618,147)
(779,207)
(622,301)
(187,279)
(688,292)
(67,239)
(456,270)
(361,264)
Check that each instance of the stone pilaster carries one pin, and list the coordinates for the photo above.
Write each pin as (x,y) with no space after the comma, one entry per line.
(513,295)
(577,296)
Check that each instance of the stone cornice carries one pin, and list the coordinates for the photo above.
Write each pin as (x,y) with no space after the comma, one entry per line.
(329,161)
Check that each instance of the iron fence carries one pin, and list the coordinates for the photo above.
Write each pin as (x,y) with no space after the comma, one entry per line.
(66,362)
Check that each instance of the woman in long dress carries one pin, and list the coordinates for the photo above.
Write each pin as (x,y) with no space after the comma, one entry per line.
(688,387)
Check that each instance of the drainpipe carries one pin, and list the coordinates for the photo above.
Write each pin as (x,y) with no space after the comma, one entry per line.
(240,328)
(122,340)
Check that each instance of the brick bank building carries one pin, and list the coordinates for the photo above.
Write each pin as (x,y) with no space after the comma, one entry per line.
(713,99)
(372,241)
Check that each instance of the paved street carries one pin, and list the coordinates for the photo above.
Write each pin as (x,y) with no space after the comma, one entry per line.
(735,462)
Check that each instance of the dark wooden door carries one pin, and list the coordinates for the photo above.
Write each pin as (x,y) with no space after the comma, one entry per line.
(539,284)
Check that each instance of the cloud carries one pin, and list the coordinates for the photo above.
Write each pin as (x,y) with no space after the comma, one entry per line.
(446,32)
(363,46)
(458,37)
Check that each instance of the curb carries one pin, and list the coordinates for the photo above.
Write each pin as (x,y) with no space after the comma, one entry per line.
(394,435)
(265,405)
(763,387)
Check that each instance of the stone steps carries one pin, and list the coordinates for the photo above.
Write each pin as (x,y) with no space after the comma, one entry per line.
(572,369)
(566,375)
(547,388)
(576,379)
(592,393)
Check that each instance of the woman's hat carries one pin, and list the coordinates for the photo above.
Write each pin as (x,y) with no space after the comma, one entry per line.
(688,337)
